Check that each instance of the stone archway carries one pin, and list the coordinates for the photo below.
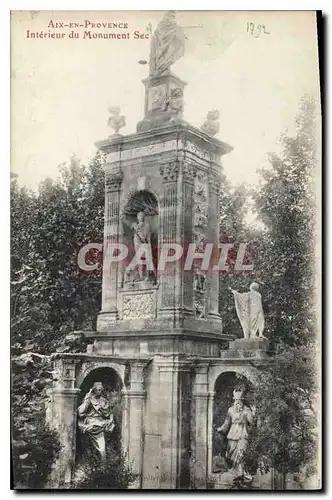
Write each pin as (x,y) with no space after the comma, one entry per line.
(112,392)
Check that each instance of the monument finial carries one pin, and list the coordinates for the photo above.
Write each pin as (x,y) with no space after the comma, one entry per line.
(167,45)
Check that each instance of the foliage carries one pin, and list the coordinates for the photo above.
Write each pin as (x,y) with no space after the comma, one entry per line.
(34,445)
(50,295)
(113,474)
(287,414)
(50,298)
(286,434)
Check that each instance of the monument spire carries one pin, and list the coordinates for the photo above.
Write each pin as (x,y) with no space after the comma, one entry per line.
(163,90)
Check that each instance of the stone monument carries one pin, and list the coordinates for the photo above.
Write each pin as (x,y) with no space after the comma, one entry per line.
(159,342)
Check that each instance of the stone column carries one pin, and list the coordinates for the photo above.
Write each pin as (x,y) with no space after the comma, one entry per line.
(64,420)
(169,277)
(136,397)
(174,424)
(113,183)
(213,237)
(210,432)
(201,400)
(125,423)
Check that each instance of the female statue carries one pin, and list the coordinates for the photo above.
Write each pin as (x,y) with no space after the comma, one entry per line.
(95,418)
(237,426)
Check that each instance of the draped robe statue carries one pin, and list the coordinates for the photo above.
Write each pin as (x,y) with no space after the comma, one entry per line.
(95,418)
(167,45)
(237,427)
(249,310)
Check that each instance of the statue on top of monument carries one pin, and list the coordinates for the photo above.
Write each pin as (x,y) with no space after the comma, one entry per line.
(249,310)
(167,45)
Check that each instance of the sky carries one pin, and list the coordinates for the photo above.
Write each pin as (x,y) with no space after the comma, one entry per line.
(61,88)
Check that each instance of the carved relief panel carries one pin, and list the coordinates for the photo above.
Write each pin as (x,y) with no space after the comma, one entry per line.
(200,239)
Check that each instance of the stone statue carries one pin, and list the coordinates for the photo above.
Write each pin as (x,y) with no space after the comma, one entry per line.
(95,418)
(142,236)
(211,125)
(249,310)
(167,45)
(237,427)
(116,121)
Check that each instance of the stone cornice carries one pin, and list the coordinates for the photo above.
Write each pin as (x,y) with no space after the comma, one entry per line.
(180,131)
(118,331)
(102,357)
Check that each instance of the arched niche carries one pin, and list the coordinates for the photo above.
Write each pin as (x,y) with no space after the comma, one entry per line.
(113,386)
(142,201)
(223,400)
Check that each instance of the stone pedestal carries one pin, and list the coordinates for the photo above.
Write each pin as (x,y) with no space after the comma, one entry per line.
(247,348)
(163,101)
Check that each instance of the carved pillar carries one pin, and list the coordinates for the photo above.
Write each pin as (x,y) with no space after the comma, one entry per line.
(174,423)
(213,237)
(111,235)
(64,419)
(135,397)
(201,400)
(169,277)
(189,174)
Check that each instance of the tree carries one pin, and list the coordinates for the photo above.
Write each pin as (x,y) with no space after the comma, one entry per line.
(50,298)
(286,204)
(34,444)
(286,436)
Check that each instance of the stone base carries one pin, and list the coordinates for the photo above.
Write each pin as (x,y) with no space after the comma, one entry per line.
(157,341)
(246,348)
(248,344)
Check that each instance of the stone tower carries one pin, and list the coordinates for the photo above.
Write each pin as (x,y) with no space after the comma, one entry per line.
(160,335)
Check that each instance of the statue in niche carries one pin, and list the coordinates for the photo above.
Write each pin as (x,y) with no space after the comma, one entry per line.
(237,427)
(142,236)
(211,125)
(249,310)
(95,418)
(167,45)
